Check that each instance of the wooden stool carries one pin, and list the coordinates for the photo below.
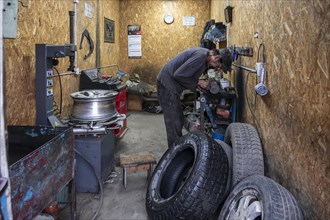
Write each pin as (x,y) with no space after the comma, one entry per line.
(135,162)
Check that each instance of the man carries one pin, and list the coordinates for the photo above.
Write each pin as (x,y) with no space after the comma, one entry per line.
(183,72)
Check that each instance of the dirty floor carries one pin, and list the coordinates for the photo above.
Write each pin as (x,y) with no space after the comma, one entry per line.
(146,132)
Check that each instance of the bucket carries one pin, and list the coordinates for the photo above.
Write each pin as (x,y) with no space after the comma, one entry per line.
(219,134)
(225,83)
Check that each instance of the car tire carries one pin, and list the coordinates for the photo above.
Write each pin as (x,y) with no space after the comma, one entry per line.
(189,181)
(259,197)
(229,153)
(247,151)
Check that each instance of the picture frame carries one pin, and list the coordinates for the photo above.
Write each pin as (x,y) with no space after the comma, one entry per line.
(109,30)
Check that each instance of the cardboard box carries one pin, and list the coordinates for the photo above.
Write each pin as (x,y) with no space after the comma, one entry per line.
(134,102)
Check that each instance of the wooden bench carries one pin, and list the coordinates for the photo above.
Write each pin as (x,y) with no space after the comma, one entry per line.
(135,162)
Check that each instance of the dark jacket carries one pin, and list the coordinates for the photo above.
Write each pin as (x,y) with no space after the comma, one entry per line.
(183,71)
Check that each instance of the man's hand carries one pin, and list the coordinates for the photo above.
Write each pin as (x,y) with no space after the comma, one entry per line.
(204,84)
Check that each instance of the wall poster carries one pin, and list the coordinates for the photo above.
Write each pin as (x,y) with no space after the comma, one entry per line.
(134,41)
(109,30)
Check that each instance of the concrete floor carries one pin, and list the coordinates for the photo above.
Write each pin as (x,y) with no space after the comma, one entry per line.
(146,132)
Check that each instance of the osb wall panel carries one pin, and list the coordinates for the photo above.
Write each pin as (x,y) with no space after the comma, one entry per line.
(47,22)
(89,24)
(160,41)
(216,11)
(36,23)
(294,118)
(110,52)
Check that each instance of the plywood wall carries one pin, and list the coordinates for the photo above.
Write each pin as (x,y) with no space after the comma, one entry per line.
(110,52)
(160,41)
(47,22)
(34,26)
(294,118)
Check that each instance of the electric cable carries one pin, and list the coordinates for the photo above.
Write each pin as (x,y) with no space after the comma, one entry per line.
(55,109)
(98,180)
(263,52)
(22,4)
(255,120)
(263,55)
(263,60)
(61,95)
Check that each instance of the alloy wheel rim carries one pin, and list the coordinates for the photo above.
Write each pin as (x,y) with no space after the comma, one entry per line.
(245,206)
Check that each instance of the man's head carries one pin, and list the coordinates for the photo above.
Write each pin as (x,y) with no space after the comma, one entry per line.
(225,60)
(213,58)
(219,59)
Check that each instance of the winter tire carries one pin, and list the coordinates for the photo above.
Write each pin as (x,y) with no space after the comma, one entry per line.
(247,151)
(229,152)
(189,180)
(258,197)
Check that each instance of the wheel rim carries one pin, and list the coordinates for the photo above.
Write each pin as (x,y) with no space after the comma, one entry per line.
(245,206)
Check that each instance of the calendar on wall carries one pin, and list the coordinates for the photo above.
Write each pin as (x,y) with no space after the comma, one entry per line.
(134,41)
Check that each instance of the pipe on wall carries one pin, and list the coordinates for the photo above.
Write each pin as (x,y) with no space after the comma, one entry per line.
(73,38)
(227,31)
(6,205)
(76,69)
(98,40)
(245,68)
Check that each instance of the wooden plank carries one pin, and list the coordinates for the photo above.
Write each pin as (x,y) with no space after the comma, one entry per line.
(137,159)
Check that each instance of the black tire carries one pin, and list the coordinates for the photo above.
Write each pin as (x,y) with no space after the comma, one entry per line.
(189,180)
(248,157)
(229,152)
(263,198)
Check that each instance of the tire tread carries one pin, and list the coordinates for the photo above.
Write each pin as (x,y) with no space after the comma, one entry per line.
(205,188)
(278,202)
(247,151)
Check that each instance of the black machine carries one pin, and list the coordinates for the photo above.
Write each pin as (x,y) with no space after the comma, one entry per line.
(92,79)
(46,59)
(94,152)
(94,140)
(95,161)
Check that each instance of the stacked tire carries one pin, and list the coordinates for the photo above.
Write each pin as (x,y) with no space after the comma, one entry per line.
(258,197)
(189,181)
(200,177)
(253,195)
(247,150)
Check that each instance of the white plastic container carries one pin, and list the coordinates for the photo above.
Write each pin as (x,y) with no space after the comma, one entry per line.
(225,83)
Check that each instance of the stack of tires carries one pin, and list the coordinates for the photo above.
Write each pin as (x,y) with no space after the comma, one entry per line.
(201,178)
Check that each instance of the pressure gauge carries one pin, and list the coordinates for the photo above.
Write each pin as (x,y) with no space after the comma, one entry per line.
(168,19)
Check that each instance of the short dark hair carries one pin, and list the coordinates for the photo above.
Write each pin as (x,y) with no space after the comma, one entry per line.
(226,59)
(213,52)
